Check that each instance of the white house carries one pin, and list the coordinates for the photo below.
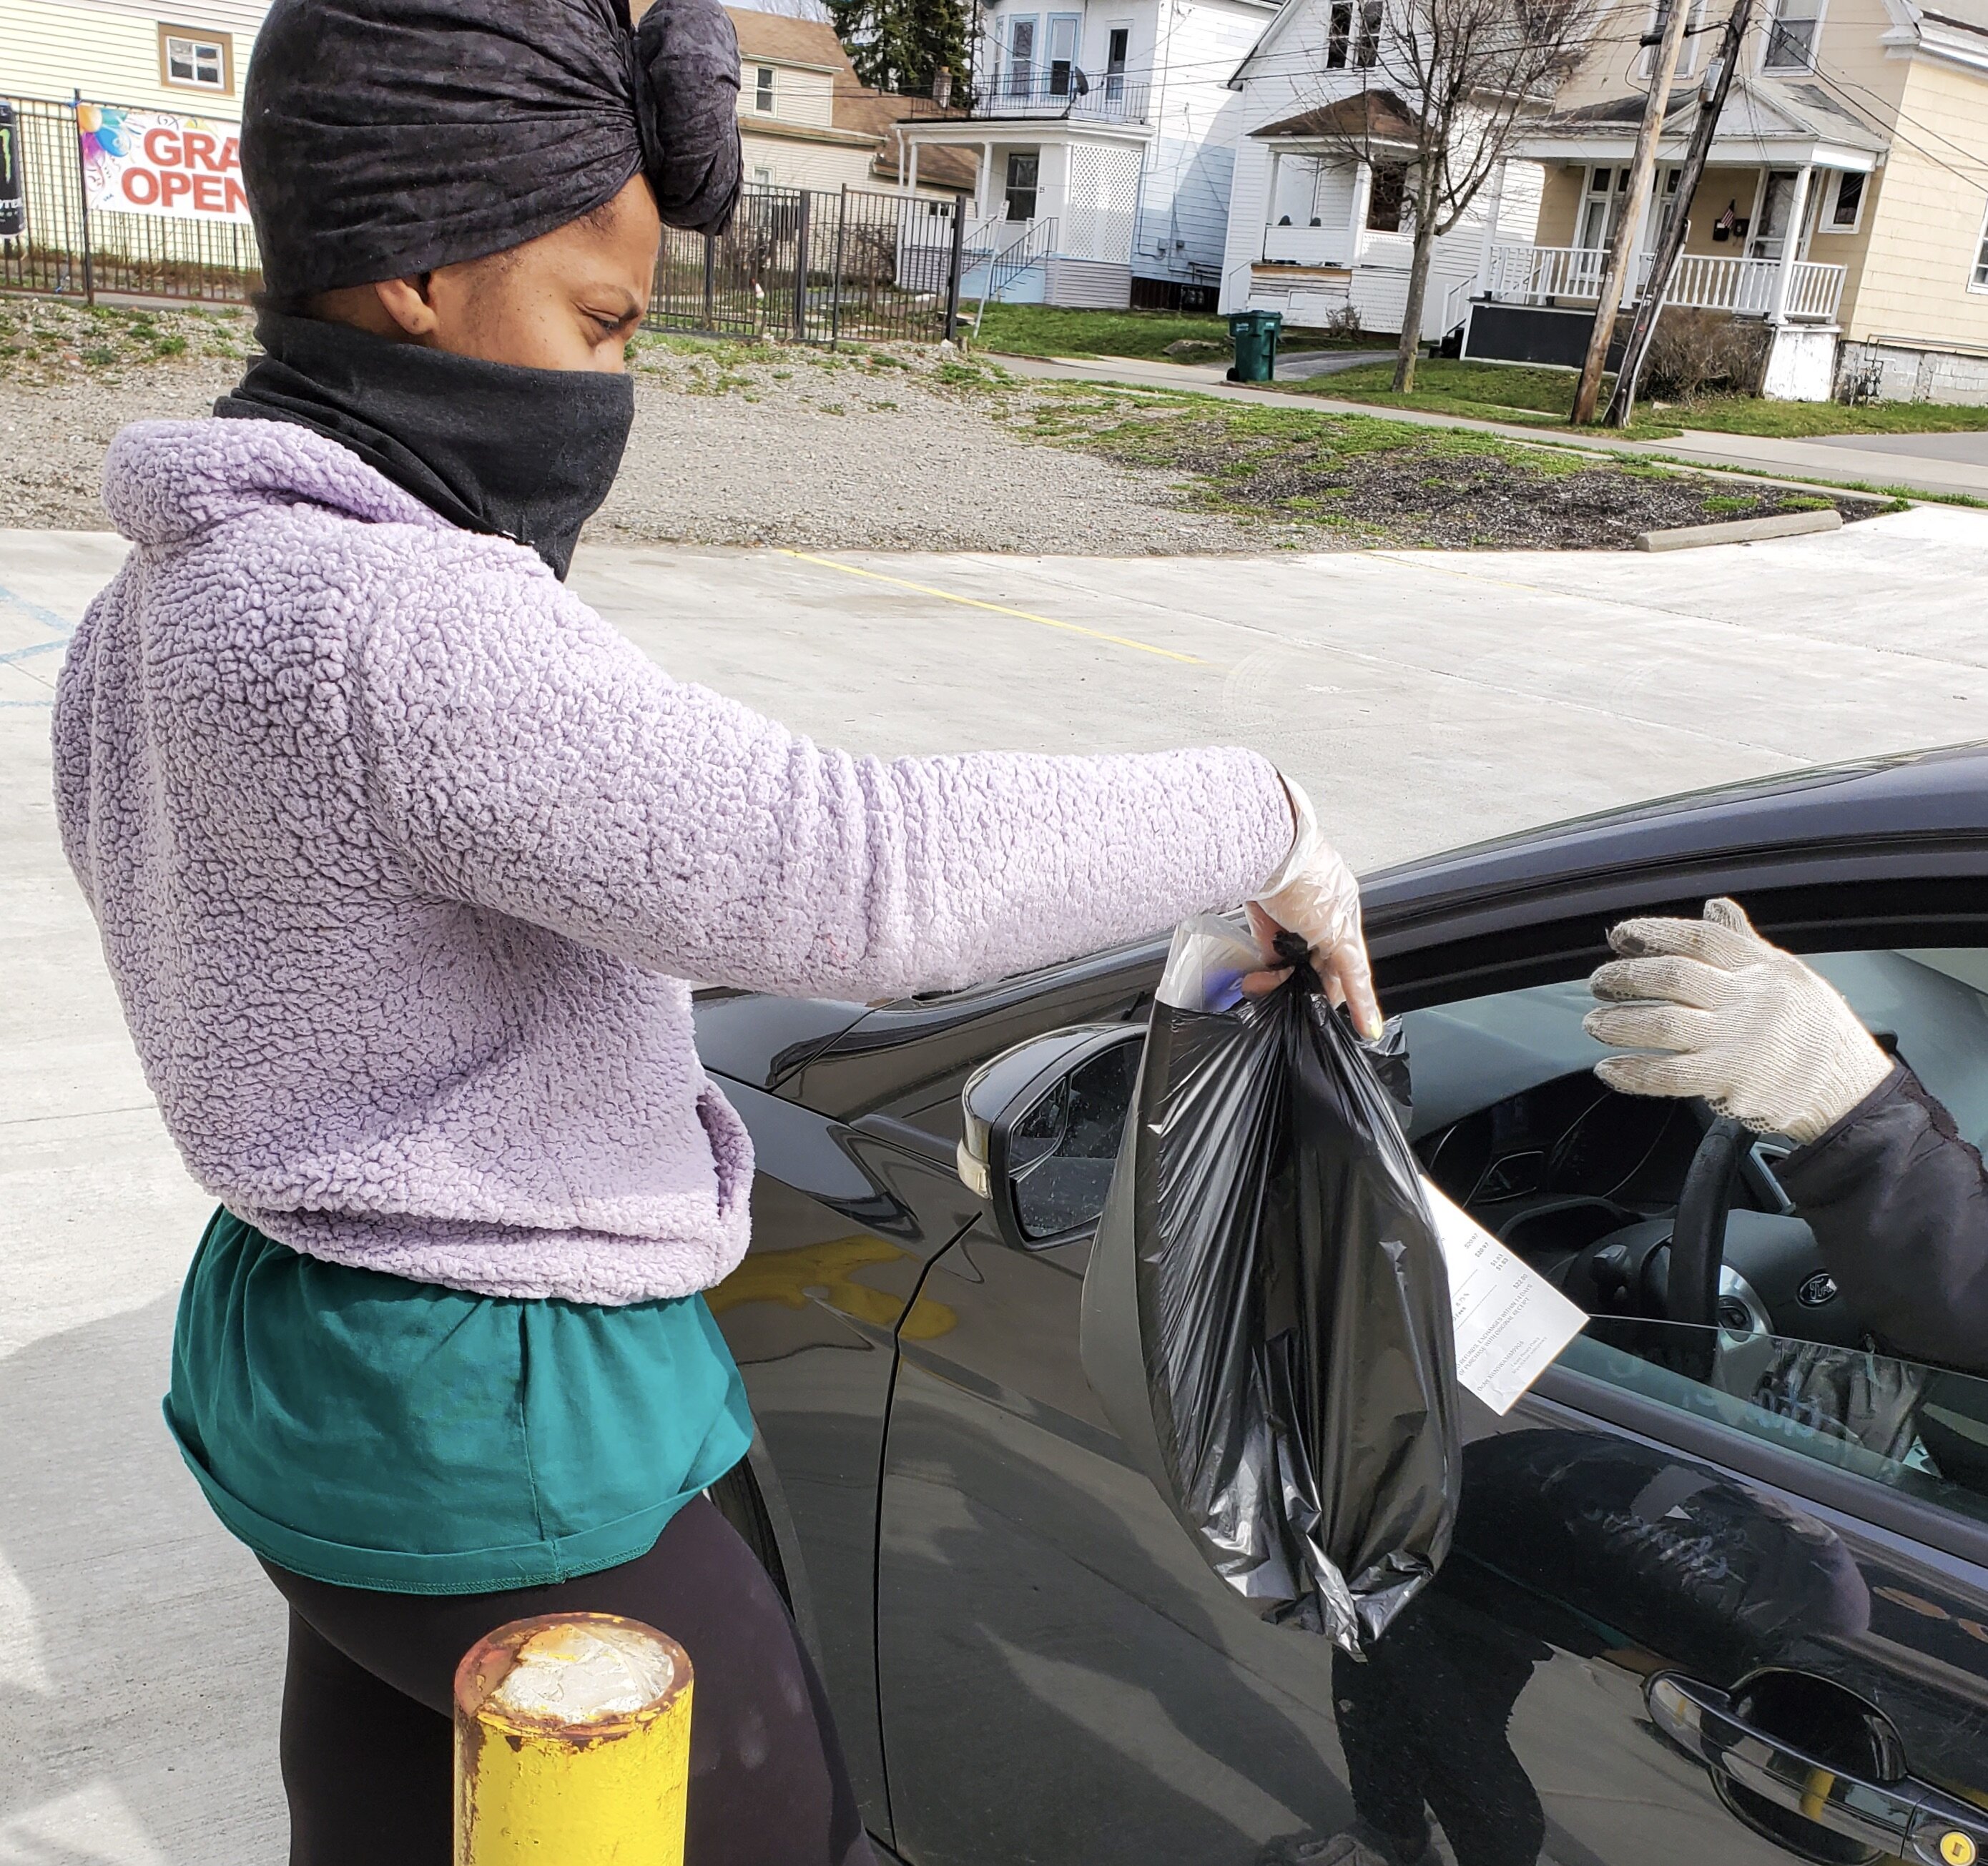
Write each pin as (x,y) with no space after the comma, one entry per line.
(1103,138)
(1317,235)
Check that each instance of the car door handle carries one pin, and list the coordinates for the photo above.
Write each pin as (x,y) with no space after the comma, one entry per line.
(1909,1818)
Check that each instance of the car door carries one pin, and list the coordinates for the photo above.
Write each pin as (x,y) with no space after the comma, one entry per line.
(1676,1624)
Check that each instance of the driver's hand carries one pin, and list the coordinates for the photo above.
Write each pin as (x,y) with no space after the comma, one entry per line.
(1741,1023)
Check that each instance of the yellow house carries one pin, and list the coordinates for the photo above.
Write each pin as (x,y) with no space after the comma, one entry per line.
(1844,203)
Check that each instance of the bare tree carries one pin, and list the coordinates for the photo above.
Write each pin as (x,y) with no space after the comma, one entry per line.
(1444,90)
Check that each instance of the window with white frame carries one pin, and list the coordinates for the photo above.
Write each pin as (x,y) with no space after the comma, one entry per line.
(1688,53)
(192,60)
(1979,282)
(1793,30)
(1367,46)
(1843,208)
(1021,55)
(763,90)
(1339,35)
(1607,196)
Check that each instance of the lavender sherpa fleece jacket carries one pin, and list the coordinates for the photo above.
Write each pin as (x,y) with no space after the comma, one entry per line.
(401,855)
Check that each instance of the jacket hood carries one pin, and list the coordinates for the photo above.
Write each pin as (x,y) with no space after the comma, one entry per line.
(164,481)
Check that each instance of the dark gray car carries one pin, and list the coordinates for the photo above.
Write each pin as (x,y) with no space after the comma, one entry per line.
(1719,1594)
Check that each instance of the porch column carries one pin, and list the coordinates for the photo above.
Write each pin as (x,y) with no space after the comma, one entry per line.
(1270,201)
(1790,246)
(908,168)
(986,180)
(1363,193)
(1494,209)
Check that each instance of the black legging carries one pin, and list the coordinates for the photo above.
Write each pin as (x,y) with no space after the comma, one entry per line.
(366,1708)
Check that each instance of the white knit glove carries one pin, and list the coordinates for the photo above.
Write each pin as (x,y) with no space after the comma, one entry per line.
(1313,894)
(1747,1026)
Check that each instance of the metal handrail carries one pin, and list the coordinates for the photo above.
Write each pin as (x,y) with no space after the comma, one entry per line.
(1005,266)
(1080,96)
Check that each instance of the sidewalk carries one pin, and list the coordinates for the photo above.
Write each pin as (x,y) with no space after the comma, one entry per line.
(1770,458)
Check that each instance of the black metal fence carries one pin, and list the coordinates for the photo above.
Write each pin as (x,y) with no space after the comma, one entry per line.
(805,265)
(63,248)
(816,267)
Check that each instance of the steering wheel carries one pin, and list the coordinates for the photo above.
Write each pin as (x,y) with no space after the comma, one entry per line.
(1726,1275)
(1697,1242)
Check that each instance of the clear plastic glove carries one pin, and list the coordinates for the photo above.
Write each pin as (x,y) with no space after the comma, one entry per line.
(1745,1025)
(1314,895)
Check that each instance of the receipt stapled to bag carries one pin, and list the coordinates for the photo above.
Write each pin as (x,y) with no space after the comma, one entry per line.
(1510,1322)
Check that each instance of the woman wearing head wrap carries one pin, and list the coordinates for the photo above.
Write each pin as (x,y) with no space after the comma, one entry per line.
(401,856)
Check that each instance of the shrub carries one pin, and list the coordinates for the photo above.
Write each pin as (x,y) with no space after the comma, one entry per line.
(1693,352)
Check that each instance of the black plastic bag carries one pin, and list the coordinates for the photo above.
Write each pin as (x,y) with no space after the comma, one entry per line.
(1266,1314)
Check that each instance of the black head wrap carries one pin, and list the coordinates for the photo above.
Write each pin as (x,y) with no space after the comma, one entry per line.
(383,138)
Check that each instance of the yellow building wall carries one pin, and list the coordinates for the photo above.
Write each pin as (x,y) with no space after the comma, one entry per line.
(1924,227)
(1560,206)
(1850,48)
(51,50)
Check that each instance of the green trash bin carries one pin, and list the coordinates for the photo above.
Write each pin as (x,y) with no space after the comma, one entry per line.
(1254,334)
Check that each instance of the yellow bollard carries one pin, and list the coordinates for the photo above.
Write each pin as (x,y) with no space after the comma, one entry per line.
(571,1745)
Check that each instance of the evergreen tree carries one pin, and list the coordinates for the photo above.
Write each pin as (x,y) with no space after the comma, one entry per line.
(899,45)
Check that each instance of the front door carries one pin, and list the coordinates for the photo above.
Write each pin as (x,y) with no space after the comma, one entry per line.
(1024,174)
(1774,222)
(1684,1567)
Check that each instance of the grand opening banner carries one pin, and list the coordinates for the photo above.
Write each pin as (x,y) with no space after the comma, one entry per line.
(154,162)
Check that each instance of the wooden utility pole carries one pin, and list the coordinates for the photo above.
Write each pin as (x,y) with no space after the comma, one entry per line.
(1623,403)
(1642,175)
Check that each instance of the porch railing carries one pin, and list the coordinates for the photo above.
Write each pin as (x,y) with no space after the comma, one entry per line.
(1109,97)
(1815,291)
(1307,245)
(1703,282)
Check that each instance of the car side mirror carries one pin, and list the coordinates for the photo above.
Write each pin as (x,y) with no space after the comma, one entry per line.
(1042,1128)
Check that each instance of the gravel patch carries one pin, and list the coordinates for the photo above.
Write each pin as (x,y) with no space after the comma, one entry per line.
(893,449)
(69,378)
(732,445)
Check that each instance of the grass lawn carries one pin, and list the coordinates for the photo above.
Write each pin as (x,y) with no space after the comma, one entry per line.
(1357,479)
(1511,392)
(1048,330)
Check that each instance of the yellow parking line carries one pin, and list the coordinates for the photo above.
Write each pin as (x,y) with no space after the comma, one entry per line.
(999,609)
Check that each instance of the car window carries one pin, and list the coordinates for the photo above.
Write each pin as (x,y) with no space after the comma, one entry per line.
(1583,1182)
(1920,1430)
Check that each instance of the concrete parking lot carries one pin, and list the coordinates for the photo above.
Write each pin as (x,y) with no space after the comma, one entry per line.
(1424,699)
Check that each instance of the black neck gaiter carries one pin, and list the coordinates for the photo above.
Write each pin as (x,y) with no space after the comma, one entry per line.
(528,454)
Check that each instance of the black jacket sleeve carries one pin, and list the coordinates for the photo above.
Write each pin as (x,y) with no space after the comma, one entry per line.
(1898,1203)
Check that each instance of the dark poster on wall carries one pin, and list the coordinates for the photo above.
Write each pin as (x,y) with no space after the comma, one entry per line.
(13,193)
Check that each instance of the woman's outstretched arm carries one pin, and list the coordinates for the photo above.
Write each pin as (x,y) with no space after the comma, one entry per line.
(528,759)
